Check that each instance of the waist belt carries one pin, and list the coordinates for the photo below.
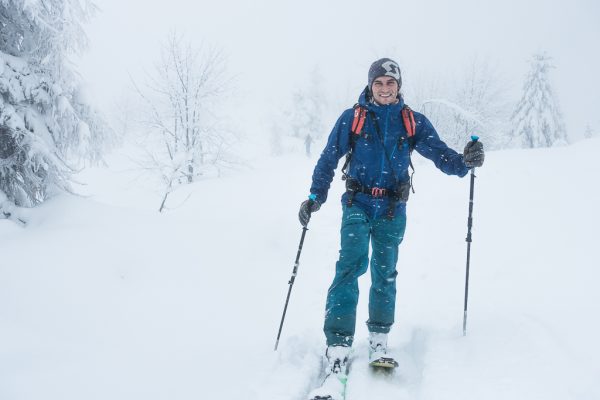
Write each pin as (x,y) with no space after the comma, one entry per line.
(400,194)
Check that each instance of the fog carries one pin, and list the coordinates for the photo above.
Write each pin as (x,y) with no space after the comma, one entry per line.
(272,46)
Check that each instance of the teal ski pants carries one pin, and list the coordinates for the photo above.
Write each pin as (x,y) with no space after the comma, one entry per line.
(357,232)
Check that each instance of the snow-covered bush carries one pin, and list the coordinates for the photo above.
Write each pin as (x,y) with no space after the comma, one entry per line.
(302,123)
(473,102)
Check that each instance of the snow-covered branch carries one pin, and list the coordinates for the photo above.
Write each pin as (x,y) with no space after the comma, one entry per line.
(180,97)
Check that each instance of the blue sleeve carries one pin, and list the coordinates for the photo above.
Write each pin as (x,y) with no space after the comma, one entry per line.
(429,145)
(338,144)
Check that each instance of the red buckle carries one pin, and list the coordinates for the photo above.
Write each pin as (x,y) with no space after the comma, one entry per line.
(378,192)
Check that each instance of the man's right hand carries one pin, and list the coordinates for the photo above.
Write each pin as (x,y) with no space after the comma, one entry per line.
(306,209)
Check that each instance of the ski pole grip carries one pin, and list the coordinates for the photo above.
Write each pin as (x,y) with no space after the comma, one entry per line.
(311,200)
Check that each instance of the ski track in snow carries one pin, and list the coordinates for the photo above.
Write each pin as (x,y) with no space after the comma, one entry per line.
(103,298)
(403,383)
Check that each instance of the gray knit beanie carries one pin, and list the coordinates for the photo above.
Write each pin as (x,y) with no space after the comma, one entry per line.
(385,67)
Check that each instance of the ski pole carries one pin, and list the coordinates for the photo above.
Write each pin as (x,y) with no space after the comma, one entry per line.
(469,240)
(291,283)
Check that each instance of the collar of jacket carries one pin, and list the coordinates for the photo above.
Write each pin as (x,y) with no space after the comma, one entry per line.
(364,101)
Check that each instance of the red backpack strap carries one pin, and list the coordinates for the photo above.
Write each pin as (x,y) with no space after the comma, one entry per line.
(360,115)
(409,120)
(408,117)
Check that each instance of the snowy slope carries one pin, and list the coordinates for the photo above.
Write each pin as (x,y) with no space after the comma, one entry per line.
(103,298)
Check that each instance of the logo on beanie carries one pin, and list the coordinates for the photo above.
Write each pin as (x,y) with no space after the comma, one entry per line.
(391,69)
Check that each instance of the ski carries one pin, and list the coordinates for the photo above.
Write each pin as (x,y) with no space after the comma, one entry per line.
(333,386)
(384,363)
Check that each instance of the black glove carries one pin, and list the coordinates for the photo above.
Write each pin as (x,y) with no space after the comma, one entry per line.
(473,155)
(306,208)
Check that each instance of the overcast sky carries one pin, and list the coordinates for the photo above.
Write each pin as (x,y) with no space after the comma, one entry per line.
(272,45)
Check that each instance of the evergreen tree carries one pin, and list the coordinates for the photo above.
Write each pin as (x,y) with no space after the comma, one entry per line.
(537,120)
(45,127)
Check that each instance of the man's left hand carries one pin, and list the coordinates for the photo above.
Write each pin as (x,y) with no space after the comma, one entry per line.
(473,154)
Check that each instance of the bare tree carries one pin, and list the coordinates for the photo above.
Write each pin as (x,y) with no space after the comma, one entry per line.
(589,132)
(185,138)
(475,103)
(124,114)
(304,119)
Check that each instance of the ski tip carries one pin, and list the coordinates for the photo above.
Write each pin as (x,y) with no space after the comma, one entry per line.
(384,363)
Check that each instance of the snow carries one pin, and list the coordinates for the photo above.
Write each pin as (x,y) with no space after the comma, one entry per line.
(102,297)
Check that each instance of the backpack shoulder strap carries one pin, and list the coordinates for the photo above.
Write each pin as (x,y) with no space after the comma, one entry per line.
(358,122)
(408,117)
(360,115)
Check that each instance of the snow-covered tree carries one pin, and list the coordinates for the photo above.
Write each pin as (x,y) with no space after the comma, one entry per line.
(124,113)
(589,132)
(45,126)
(537,120)
(305,119)
(308,107)
(186,139)
(473,103)
(276,139)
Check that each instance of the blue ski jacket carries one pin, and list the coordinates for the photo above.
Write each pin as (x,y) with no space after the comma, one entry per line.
(370,165)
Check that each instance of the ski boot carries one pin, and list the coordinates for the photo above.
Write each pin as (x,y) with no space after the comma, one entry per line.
(334,385)
(378,357)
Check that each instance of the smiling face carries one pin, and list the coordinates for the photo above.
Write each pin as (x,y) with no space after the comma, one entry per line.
(385,90)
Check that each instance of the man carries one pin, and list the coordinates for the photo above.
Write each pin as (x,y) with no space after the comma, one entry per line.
(308,140)
(378,149)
